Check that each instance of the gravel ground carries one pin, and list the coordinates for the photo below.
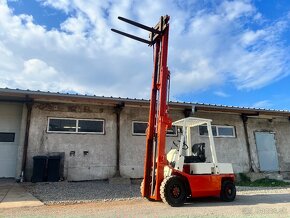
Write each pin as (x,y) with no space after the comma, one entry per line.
(81,192)
(93,191)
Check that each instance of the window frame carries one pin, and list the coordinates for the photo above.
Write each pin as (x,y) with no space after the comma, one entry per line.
(138,134)
(76,127)
(144,134)
(217,131)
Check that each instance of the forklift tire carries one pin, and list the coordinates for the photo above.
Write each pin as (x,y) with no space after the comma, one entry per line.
(141,188)
(173,191)
(228,191)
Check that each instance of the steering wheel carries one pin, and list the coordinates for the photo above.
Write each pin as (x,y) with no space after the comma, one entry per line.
(184,147)
(176,145)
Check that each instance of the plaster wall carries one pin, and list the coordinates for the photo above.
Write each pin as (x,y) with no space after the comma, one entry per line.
(281,128)
(132,147)
(99,163)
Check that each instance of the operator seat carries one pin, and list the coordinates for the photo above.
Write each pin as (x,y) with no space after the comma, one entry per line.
(198,154)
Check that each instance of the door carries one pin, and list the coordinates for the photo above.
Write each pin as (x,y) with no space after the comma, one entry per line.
(10,120)
(267,152)
(8,154)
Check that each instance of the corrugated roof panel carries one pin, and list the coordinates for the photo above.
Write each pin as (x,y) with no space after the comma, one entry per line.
(27,92)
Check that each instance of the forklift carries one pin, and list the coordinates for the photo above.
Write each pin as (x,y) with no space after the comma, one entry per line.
(183,172)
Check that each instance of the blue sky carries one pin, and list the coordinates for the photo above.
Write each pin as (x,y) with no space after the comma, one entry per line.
(221,52)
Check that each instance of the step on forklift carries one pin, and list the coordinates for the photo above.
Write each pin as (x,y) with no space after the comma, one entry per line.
(183,172)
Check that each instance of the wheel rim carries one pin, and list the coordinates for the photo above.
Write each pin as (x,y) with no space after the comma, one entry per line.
(229,191)
(175,191)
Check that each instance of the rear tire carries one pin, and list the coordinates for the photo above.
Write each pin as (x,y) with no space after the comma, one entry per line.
(173,191)
(228,191)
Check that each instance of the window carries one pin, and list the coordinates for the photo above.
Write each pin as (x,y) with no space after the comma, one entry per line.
(91,126)
(226,131)
(203,130)
(139,128)
(7,137)
(67,125)
(218,131)
(62,125)
(172,131)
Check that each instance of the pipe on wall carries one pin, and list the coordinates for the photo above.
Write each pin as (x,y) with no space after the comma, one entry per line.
(245,125)
(118,109)
(26,138)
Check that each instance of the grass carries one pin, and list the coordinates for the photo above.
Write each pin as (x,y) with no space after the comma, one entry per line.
(245,181)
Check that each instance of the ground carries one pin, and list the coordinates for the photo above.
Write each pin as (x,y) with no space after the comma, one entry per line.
(245,205)
(250,202)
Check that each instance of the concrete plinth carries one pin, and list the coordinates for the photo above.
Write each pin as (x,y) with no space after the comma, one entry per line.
(120,181)
(256,176)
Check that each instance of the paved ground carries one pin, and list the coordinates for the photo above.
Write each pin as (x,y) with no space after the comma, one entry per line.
(14,195)
(270,205)
(113,201)
(102,199)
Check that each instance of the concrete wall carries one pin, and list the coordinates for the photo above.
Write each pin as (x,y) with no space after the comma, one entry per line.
(100,163)
(281,128)
(229,150)
(133,146)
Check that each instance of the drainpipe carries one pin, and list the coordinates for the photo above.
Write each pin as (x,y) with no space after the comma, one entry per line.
(119,107)
(188,112)
(245,124)
(26,137)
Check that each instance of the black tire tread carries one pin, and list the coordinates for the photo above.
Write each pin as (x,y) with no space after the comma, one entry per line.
(162,189)
(163,192)
(223,196)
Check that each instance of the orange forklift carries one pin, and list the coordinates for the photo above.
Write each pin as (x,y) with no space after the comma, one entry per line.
(183,172)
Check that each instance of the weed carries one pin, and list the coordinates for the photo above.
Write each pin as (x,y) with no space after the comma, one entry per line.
(245,181)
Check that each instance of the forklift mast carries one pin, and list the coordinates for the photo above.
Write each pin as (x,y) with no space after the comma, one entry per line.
(159,121)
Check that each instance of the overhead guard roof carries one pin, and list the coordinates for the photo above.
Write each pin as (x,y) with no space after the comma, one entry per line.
(191,122)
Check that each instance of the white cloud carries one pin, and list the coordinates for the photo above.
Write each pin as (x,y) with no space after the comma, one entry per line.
(262,104)
(208,47)
(221,94)
(236,9)
(250,37)
(37,69)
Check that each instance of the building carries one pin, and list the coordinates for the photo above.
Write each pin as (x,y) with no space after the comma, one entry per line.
(100,137)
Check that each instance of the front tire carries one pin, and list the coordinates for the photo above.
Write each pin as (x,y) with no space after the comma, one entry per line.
(141,188)
(173,191)
(228,191)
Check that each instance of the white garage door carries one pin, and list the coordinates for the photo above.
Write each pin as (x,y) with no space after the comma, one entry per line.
(10,121)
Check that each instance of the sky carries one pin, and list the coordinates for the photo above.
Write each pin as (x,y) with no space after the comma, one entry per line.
(228,52)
